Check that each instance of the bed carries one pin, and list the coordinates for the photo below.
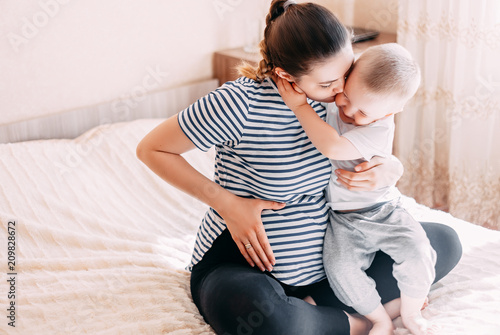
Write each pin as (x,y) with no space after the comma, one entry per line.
(102,243)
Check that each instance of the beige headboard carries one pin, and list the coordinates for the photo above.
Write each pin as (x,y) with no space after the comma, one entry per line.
(70,124)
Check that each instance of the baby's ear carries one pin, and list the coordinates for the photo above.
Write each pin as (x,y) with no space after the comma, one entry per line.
(400,109)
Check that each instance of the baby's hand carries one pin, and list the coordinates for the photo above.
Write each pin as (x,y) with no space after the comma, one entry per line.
(292,95)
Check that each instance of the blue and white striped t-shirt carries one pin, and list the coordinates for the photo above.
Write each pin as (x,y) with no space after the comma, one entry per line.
(263,152)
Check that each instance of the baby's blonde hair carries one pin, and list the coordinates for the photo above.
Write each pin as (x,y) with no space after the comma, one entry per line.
(389,69)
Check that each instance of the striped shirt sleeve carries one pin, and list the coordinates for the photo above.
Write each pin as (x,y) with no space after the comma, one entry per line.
(217,118)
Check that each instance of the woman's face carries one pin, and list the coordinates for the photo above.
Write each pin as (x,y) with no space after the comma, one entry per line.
(327,78)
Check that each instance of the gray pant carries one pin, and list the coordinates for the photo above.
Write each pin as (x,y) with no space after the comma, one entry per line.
(351,240)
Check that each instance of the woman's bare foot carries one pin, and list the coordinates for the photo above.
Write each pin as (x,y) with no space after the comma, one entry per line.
(358,324)
(393,308)
(382,328)
(310,300)
(381,321)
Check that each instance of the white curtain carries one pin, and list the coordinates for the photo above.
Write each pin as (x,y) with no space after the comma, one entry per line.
(448,136)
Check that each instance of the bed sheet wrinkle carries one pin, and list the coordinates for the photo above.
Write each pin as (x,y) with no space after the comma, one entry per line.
(39,178)
(130,186)
(103,243)
(14,190)
(52,197)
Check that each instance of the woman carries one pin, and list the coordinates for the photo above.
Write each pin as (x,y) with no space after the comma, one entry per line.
(258,251)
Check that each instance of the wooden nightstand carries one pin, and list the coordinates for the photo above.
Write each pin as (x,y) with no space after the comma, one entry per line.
(226,61)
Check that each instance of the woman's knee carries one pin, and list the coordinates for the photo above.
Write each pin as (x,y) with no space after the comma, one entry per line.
(447,245)
(239,300)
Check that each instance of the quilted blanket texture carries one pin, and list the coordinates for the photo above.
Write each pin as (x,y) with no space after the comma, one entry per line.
(102,242)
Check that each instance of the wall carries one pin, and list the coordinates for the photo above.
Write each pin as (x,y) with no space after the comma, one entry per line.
(59,55)
(380,15)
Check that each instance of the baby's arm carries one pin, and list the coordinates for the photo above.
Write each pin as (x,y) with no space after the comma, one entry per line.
(323,136)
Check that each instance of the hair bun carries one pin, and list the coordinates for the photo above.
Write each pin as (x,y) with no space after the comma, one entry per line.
(278,7)
(288,3)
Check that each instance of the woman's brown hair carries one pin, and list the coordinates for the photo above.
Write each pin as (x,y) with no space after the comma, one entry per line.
(296,37)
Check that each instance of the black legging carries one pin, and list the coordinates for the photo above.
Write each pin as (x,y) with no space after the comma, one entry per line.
(235,298)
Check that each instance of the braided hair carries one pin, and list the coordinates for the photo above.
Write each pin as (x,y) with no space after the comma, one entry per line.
(296,37)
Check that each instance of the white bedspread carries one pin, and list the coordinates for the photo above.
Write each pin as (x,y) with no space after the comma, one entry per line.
(102,244)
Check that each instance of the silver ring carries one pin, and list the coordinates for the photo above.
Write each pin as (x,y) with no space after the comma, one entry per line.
(248,245)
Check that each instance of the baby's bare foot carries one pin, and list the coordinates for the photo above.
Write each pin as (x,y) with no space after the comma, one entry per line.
(382,328)
(416,324)
(426,303)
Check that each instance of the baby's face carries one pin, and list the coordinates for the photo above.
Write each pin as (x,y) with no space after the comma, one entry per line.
(358,107)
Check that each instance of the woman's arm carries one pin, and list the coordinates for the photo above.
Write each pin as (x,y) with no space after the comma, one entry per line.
(323,136)
(161,150)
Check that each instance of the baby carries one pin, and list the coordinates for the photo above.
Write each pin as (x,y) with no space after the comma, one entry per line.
(361,126)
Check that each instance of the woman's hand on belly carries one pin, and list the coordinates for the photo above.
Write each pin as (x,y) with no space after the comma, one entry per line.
(243,220)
